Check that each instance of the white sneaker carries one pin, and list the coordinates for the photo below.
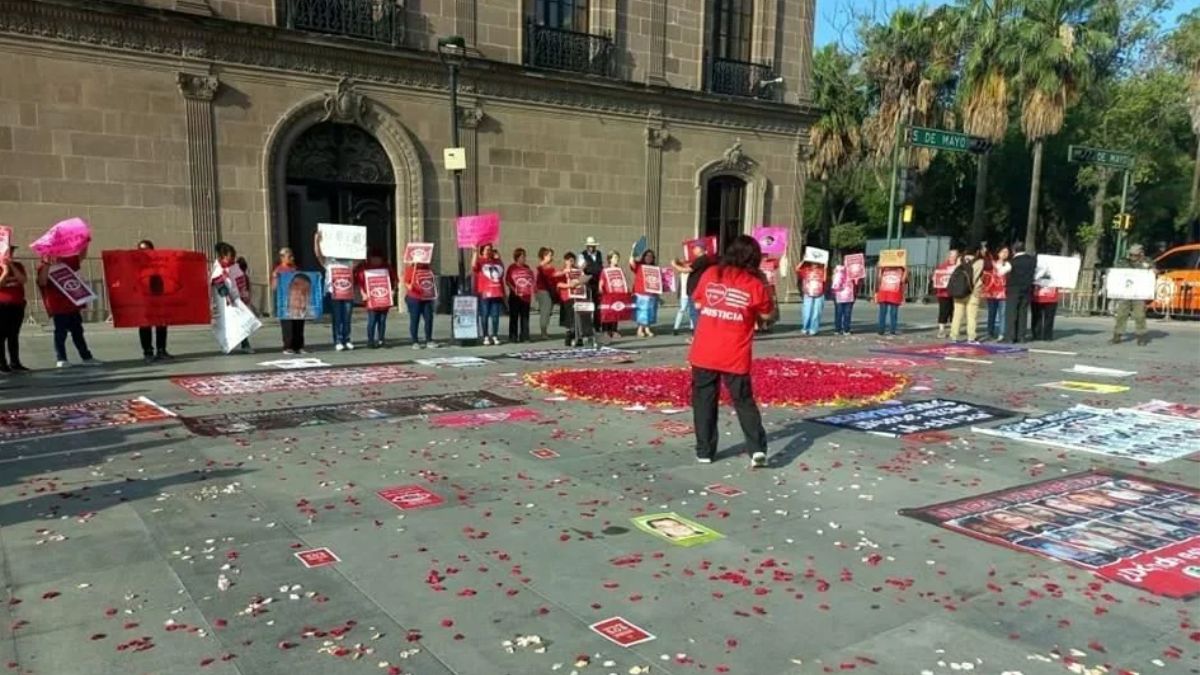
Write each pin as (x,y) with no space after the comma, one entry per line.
(62,364)
(288,352)
(416,345)
(758,460)
(431,345)
(339,346)
(704,460)
(93,363)
(350,346)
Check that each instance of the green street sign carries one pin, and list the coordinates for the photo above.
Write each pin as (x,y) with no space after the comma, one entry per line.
(939,139)
(1084,155)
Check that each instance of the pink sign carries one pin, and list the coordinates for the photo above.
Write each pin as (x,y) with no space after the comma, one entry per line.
(69,282)
(418,253)
(668,275)
(317,557)
(478,230)
(772,239)
(856,266)
(408,497)
(67,238)
(480,418)
(5,241)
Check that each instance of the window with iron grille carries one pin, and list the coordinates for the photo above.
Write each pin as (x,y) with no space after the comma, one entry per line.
(375,20)
(557,37)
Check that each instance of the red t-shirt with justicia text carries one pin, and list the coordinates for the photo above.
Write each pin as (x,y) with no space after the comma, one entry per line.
(729,302)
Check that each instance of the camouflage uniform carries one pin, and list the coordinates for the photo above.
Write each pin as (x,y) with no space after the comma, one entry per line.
(1135,259)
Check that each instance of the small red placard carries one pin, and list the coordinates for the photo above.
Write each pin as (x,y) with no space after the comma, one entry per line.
(544,453)
(317,557)
(409,497)
(725,490)
(621,632)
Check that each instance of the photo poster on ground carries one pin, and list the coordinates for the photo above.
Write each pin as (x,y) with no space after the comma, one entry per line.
(893,257)
(1129,284)
(913,417)
(378,285)
(614,280)
(299,295)
(466,317)
(1057,271)
(157,287)
(346,242)
(772,239)
(477,230)
(816,255)
(856,266)
(5,241)
(709,244)
(675,529)
(71,284)
(234,324)
(652,279)
(418,253)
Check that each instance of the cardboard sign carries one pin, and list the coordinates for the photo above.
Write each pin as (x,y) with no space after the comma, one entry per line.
(478,230)
(346,242)
(941,277)
(426,284)
(856,266)
(5,241)
(675,529)
(614,280)
(772,239)
(410,497)
(616,307)
(544,453)
(234,324)
(709,244)
(157,287)
(1089,387)
(299,295)
(418,253)
(341,282)
(770,269)
(465,318)
(71,284)
(64,239)
(1129,284)
(816,255)
(578,292)
(379,289)
(621,632)
(725,490)
(893,257)
(1056,271)
(913,417)
(652,279)
(317,557)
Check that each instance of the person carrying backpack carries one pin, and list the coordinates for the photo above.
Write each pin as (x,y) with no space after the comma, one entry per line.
(966,289)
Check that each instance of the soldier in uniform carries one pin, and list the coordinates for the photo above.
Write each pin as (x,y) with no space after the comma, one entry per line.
(1135,259)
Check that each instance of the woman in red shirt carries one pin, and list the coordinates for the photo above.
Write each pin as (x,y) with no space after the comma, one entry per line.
(489,286)
(377,314)
(645,309)
(731,298)
(520,280)
(12,312)
(569,280)
(941,283)
(547,289)
(1042,311)
(420,292)
(890,295)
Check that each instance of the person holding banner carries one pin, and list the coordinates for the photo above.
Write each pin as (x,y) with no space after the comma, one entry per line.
(63,311)
(889,295)
(156,350)
(844,292)
(520,280)
(645,302)
(994,277)
(292,329)
(571,283)
(547,289)
(612,283)
(420,292)
(378,303)
(489,286)
(12,312)
(810,277)
(339,285)
(1135,258)
(231,284)
(941,282)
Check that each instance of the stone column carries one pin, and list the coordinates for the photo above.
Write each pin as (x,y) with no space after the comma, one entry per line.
(656,137)
(656,66)
(198,92)
(470,116)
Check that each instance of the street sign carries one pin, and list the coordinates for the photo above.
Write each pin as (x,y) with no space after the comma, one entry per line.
(939,139)
(1084,155)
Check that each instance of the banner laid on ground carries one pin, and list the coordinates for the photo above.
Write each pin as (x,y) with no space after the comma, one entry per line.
(944,350)
(913,417)
(1186,410)
(410,497)
(338,413)
(1129,529)
(569,353)
(299,295)
(1080,369)
(480,418)
(1123,433)
(295,364)
(454,362)
(157,287)
(262,382)
(1089,387)
(675,529)
(23,423)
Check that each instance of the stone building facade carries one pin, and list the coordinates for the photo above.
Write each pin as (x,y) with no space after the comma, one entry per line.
(192,121)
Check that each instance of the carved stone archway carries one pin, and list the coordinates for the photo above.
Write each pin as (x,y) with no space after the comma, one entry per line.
(346,106)
(733,162)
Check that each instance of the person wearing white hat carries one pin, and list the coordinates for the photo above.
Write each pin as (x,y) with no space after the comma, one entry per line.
(592,263)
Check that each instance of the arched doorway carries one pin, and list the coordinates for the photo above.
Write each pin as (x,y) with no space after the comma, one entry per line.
(724,209)
(339,173)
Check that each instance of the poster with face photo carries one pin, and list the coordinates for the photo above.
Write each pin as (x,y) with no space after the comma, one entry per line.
(1129,529)
(299,295)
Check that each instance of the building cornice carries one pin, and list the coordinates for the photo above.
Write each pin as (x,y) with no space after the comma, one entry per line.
(191,38)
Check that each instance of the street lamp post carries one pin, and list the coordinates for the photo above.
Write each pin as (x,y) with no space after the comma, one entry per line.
(452,51)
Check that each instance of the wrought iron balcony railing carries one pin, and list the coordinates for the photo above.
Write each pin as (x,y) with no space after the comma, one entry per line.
(742,78)
(561,49)
(375,20)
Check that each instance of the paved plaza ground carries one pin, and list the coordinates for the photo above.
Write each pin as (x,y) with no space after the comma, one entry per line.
(148,549)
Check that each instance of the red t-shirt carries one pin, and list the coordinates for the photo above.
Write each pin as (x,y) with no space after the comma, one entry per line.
(53,299)
(489,278)
(993,285)
(941,279)
(1045,295)
(891,286)
(420,283)
(521,279)
(729,301)
(12,292)
(812,279)
(562,276)
(545,279)
(639,279)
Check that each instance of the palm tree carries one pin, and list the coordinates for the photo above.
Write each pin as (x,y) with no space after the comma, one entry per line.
(835,140)
(1059,46)
(1184,46)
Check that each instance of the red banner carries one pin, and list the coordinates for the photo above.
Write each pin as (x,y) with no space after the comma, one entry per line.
(379,289)
(614,280)
(616,307)
(157,287)
(341,282)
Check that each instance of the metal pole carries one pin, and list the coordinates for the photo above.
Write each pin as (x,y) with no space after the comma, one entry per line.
(892,192)
(457,175)
(1121,231)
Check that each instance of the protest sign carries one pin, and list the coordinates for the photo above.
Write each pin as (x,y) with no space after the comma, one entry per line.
(616,307)
(341,282)
(317,557)
(426,284)
(299,295)
(18,423)
(675,529)
(478,230)
(622,632)
(379,289)
(465,318)
(639,247)
(1089,387)
(1129,284)
(772,239)
(1186,410)
(71,284)
(709,244)
(945,351)
(5,241)
(770,270)
(856,266)
(64,239)
(941,277)
(1133,530)
(265,381)
(614,280)
(816,255)
(418,253)
(234,324)
(345,242)
(480,418)
(1080,369)
(893,257)
(410,497)
(157,287)
(669,279)
(577,290)
(1122,433)
(1056,271)
(912,417)
(652,279)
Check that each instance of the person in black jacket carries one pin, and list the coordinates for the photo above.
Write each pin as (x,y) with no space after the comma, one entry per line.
(591,261)
(1018,288)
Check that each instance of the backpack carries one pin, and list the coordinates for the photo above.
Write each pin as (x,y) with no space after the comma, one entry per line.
(961,284)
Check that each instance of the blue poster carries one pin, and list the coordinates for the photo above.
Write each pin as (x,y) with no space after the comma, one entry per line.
(299,295)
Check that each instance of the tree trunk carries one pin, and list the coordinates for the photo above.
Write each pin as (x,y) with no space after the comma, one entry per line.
(1035,187)
(1091,254)
(981,174)
(1196,181)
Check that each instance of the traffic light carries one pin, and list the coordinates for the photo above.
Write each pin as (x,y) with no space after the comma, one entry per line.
(979,146)
(906,214)
(907,184)
(1122,221)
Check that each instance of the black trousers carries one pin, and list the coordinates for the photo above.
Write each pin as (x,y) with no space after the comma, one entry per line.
(1016,313)
(160,339)
(11,318)
(1043,320)
(945,311)
(518,318)
(293,333)
(706,393)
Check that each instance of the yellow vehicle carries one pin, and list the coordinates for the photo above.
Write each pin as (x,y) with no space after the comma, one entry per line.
(1178,290)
